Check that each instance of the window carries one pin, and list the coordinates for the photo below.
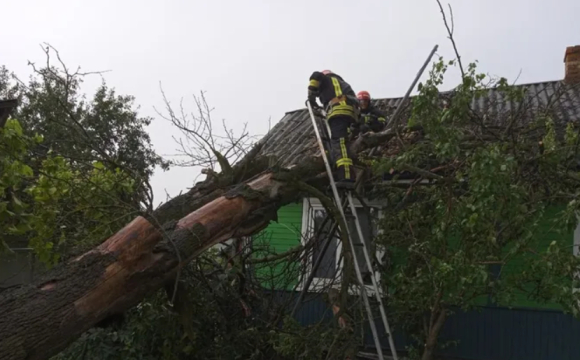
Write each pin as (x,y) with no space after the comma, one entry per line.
(316,225)
(575,249)
(320,226)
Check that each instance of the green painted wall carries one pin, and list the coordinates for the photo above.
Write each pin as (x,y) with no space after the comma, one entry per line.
(286,233)
(275,239)
(548,230)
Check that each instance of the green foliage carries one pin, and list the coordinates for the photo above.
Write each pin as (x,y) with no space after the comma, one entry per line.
(84,177)
(105,128)
(79,209)
(316,342)
(151,331)
(214,313)
(453,241)
(57,208)
(14,172)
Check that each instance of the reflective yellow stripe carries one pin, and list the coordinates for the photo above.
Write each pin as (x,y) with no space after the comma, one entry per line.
(314,83)
(337,89)
(343,148)
(341,109)
(334,113)
(343,162)
(345,113)
(346,163)
(382,119)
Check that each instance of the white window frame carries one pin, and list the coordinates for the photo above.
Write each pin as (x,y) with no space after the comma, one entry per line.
(319,284)
(576,247)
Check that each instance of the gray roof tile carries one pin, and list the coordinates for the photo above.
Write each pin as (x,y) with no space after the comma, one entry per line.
(292,139)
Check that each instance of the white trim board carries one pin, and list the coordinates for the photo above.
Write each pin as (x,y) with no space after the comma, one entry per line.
(321,283)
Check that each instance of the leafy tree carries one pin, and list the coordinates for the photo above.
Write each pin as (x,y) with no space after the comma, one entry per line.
(14,146)
(58,208)
(488,189)
(79,168)
(105,128)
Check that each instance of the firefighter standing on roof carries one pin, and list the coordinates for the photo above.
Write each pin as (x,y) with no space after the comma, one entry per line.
(341,107)
(370,117)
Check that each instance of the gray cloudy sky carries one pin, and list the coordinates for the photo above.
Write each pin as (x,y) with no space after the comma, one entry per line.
(254,57)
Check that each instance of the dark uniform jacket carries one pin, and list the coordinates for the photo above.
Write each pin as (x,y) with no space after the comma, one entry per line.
(335,94)
(374,118)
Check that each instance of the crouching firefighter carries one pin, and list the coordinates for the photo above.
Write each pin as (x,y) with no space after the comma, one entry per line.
(341,106)
(371,118)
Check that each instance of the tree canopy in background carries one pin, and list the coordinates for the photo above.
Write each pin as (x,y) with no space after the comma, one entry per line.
(74,171)
(74,168)
(470,228)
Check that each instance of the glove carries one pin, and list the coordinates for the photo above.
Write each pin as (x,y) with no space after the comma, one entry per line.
(317,110)
(354,129)
(312,98)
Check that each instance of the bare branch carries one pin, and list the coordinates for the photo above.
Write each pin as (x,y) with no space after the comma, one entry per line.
(450,35)
(201,141)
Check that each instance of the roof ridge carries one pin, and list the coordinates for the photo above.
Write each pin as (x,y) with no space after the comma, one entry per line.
(440,92)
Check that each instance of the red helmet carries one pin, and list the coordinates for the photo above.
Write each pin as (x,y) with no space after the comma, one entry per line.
(326,72)
(363,95)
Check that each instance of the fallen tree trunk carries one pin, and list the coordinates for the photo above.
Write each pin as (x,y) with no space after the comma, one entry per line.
(39,320)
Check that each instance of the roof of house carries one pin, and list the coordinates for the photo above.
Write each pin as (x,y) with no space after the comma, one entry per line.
(292,138)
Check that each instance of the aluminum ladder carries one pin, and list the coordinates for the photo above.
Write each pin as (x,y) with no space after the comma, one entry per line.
(338,203)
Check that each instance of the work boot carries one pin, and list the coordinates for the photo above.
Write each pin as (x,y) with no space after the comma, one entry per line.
(345,184)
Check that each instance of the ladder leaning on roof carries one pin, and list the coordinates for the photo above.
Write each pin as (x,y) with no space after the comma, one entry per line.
(362,244)
(339,205)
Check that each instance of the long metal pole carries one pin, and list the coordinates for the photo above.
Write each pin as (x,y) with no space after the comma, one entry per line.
(408,93)
(338,203)
(393,119)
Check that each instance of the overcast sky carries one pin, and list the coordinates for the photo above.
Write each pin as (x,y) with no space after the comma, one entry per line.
(254,57)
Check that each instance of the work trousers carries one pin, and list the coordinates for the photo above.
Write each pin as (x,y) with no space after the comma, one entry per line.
(341,155)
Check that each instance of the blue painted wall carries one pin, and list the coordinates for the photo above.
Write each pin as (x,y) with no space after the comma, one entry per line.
(489,333)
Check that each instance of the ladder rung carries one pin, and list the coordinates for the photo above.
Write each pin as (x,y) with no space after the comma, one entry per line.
(347,216)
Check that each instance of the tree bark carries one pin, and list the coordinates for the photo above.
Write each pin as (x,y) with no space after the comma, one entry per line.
(434,329)
(39,320)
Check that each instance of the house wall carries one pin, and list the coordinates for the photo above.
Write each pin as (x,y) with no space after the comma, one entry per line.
(279,237)
(547,231)
(488,333)
(528,330)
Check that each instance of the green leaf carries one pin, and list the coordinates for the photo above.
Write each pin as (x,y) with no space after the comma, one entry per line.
(16,201)
(27,171)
